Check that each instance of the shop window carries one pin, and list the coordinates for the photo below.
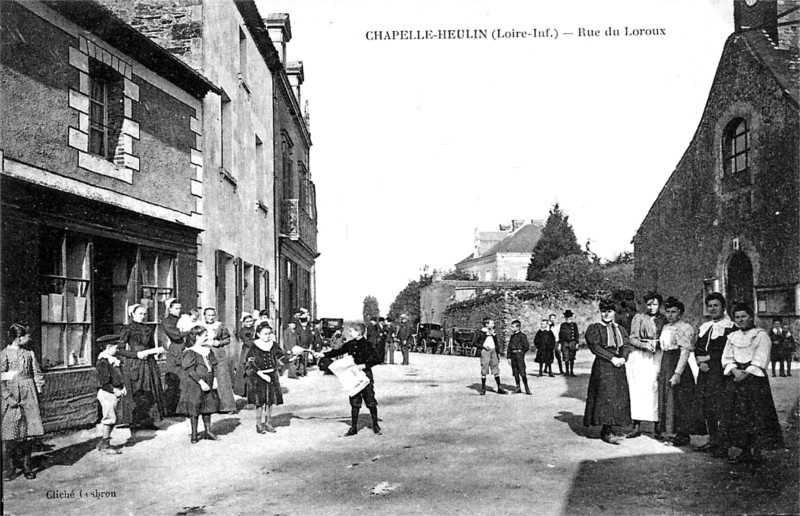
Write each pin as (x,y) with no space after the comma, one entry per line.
(776,301)
(66,300)
(156,283)
(106,112)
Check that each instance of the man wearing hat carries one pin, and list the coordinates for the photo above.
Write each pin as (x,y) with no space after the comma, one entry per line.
(404,333)
(305,338)
(568,340)
(289,341)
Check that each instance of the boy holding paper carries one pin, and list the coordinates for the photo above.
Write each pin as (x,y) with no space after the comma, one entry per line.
(364,356)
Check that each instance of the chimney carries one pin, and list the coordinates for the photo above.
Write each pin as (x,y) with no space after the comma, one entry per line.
(280,32)
(516,224)
(294,71)
(538,222)
(761,15)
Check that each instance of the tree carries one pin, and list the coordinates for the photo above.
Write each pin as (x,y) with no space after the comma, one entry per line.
(459,275)
(370,308)
(573,272)
(407,301)
(557,240)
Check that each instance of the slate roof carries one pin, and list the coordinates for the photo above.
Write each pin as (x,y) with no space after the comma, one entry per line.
(782,60)
(520,241)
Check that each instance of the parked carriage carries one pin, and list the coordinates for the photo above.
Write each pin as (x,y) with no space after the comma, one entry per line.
(460,341)
(430,338)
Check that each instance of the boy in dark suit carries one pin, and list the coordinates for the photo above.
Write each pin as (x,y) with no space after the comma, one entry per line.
(517,347)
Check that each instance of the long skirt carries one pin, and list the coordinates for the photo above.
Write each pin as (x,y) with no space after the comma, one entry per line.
(642,372)
(195,401)
(144,402)
(225,377)
(749,417)
(20,409)
(678,409)
(260,392)
(608,399)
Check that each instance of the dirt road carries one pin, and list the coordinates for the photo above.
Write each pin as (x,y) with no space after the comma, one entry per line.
(444,450)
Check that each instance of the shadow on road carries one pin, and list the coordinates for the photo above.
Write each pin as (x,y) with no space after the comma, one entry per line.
(225,426)
(66,456)
(282,420)
(491,386)
(649,484)
(575,422)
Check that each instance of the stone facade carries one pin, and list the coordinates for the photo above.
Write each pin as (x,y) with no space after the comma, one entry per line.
(737,233)
(100,155)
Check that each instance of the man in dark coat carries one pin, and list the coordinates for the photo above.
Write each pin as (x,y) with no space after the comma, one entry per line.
(373,332)
(305,339)
(364,356)
(517,347)
(404,335)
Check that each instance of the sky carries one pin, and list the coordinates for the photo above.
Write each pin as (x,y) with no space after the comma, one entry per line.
(416,143)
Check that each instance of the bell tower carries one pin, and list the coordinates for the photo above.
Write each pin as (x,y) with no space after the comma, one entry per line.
(756,14)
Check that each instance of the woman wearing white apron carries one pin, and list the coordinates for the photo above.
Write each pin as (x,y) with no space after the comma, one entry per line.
(643,363)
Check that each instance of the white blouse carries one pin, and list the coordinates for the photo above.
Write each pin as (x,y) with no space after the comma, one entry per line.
(753,346)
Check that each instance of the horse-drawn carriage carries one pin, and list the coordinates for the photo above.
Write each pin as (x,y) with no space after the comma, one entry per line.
(430,338)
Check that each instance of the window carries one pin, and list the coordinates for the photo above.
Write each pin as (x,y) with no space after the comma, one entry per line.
(106,112)
(776,301)
(736,147)
(66,325)
(243,59)
(157,282)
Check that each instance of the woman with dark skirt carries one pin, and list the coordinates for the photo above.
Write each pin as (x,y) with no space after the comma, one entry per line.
(174,374)
(678,414)
(246,335)
(749,421)
(262,367)
(199,395)
(608,402)
(144,403)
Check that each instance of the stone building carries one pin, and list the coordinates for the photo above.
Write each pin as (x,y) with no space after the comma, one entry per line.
(102,201)
(728,218)
(260,252)
(503,255)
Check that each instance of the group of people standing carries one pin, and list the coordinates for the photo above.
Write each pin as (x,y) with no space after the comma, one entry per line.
(387,338)
(646,376)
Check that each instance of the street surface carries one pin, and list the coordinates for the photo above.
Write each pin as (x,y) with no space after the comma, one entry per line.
(444,450)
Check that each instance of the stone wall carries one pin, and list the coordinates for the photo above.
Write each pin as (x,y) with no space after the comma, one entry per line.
(176,25)
(530,306)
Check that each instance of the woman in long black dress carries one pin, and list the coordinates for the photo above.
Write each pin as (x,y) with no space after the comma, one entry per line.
(199,395)
(174,374)
(246,335)
(262,365)
(608,400)
(144,404)
(749,421)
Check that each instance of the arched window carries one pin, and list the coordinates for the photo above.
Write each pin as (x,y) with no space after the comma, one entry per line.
(736,146)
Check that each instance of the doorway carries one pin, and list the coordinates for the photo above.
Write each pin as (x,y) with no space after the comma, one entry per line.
(740,281)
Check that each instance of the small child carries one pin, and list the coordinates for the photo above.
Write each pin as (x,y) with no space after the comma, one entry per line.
(112,388)
(517,347)
(199,397)
(545,343)
(262,365)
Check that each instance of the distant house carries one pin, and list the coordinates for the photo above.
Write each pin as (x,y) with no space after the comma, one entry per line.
(728,219)
(503,255)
